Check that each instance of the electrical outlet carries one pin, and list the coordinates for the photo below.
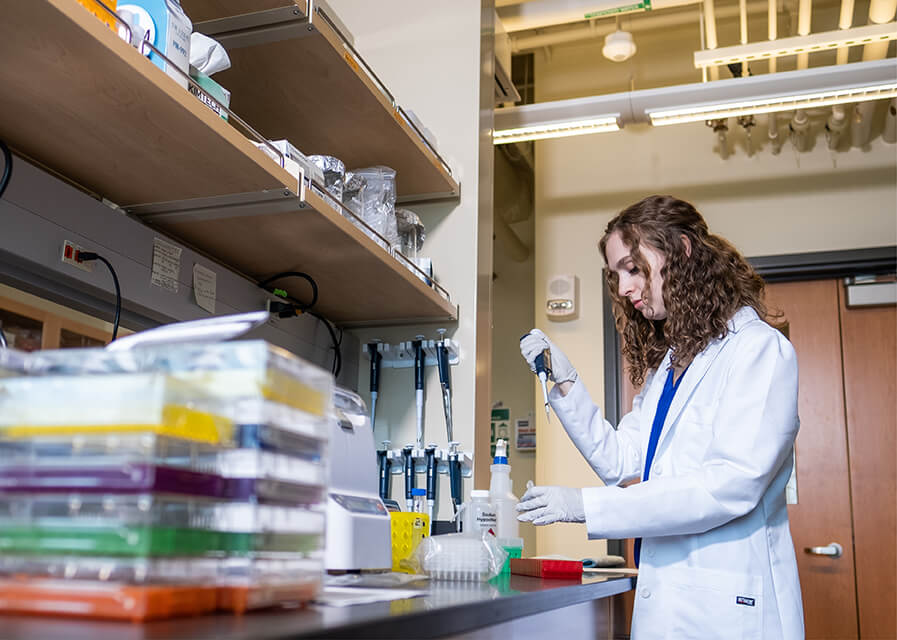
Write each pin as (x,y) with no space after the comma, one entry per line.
(70,252)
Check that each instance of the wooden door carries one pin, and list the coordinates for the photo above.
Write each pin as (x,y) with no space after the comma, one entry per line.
(823,512)
(869,345)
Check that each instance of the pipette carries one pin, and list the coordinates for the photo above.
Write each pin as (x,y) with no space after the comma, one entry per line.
(430,454)
(383,465)
(542,363)
(445,380)
(418,347)
(407,453)
(375,377)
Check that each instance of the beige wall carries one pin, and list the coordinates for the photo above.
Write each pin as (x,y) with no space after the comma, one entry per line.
(765,204)
(512,307)
(435,73)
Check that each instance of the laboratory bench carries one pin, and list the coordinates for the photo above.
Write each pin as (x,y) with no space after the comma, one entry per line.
(508,606)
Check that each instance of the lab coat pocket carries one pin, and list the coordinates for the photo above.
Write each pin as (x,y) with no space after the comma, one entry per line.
(707,604)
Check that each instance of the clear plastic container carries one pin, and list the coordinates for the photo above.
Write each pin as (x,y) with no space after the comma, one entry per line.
(13,362)
(114,569)
(411,233)
(456,556)
(115,403)
(153,525)
(379,210)
(224,374)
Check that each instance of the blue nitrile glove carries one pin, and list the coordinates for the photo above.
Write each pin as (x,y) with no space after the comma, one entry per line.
(545,505)
(534,343)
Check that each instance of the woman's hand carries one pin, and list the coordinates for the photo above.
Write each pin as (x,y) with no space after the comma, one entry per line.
(545,505)
(534,343)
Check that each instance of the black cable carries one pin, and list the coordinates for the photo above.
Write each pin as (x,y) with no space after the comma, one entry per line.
(87,256)
(7,167)
(337,354)
(298,274)
(285,310)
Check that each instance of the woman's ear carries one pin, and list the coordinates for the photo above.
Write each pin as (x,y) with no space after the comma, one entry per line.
(687,244)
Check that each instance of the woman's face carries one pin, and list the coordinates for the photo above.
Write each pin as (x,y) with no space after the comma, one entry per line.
(631,280)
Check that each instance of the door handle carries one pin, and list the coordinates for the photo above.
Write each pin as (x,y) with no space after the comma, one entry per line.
(832,550)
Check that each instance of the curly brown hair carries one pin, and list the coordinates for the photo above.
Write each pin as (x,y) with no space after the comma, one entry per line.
(702,289)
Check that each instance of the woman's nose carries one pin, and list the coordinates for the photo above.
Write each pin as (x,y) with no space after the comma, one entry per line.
(624,287)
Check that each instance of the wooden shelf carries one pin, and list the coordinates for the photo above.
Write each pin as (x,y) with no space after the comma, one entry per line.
(295,77)
(87,105)
(360,283)
(84,103)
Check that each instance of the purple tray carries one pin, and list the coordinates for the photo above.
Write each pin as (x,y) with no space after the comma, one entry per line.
(139,478)
(131,478)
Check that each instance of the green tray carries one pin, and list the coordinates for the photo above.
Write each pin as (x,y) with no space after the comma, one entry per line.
(148,541)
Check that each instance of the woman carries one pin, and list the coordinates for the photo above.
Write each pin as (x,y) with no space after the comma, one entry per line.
(711,434)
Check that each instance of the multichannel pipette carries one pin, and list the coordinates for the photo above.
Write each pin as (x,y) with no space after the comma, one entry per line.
(542,363)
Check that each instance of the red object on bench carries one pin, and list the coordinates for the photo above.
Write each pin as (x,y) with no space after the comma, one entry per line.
(540,568)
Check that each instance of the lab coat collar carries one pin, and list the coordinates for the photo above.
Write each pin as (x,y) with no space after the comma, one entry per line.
(690,379)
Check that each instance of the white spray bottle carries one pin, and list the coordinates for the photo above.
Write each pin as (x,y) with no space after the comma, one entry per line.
(500,493)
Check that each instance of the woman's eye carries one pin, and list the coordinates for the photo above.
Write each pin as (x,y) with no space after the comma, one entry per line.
(633,271)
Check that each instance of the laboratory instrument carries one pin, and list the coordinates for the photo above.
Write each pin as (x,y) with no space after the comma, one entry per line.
(358,525)
(376,358)
(410,478)
(383,464)
(454,469)
(430,455)
(542,363)
(417,345)
(445,381)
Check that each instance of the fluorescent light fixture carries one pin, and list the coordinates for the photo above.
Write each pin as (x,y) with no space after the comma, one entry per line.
(557,129)
(799,44)
(767,93)
(772,104)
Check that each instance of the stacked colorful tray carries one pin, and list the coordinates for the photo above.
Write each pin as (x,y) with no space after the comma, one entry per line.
(162,481)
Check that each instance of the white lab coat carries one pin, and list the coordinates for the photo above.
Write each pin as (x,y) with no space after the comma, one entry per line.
(717,560)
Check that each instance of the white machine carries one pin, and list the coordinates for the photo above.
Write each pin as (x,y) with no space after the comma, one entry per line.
(358,524)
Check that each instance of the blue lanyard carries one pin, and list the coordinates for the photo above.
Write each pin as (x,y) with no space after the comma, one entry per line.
(663,408)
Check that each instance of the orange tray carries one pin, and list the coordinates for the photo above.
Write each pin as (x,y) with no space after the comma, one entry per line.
(96,600)
(242,599)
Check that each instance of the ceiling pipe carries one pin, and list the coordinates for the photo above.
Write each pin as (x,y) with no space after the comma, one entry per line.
(710,32)
(804,13)
(773,29)
(880,12)
(589,30)
(845,22)
(889,134)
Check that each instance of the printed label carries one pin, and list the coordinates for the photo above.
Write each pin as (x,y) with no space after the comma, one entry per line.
(749,602)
